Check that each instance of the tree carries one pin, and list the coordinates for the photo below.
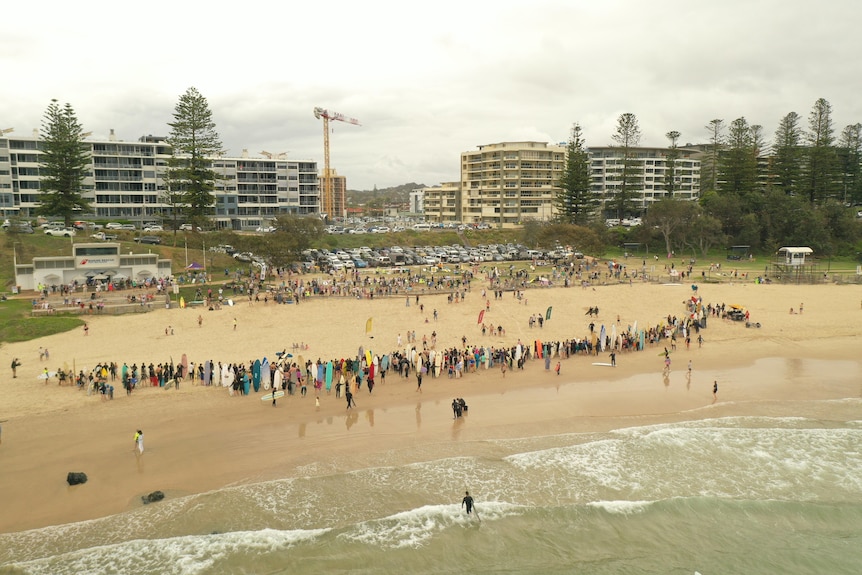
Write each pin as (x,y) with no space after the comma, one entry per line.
(703,232)
(669,216)
(671,157)
(575,203)
(628,136)
(786,171)
(64,163)
(193,139)
(821,174)
(850,158)
(709,165)
(738,162)
(579,237)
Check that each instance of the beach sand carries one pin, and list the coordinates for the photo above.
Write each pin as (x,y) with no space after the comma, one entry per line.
(200,438)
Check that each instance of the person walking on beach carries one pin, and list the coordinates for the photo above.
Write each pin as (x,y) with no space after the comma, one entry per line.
(613,359)
(86,329)
(350,400)
(557,368)
(234,324)
(15,363)
(419,379)
(714,391)
(468,502)
(139,442)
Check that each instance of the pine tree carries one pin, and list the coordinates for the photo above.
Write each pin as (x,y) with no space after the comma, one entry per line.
(850,157)
(738,163)
(786,171)
(709,165)
(671,157)
(194,142)
(575,203)
(821,177)
(64,163)
(628,136)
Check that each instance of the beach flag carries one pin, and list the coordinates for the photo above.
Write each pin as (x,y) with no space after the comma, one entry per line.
(548,313)
(368,325)
(481,315)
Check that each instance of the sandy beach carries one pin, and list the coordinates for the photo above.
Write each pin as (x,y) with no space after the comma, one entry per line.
(200,438)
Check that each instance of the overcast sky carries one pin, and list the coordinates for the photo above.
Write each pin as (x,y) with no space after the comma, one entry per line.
(428,80)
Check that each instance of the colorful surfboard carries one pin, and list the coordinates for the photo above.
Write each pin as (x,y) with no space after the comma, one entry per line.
(328,376)
(269,396)
(207,372)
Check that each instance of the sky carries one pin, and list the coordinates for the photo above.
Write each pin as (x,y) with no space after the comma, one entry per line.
(427,80)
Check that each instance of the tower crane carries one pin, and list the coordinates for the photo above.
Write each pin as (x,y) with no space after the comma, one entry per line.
(328,204)
(272,156)
(6,131)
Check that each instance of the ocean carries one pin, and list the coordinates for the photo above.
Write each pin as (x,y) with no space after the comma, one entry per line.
(710,495)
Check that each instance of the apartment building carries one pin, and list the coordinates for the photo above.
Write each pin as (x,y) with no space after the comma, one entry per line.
(649,174)
(443,203)
(126,181)
(506,183)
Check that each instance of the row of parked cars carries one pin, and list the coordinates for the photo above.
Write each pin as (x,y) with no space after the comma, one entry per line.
(365,257)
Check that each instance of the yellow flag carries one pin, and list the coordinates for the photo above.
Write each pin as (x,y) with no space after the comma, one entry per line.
(368,325)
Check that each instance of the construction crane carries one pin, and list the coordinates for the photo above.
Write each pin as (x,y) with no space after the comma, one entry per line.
(271,156)
(6,131)
(328,196)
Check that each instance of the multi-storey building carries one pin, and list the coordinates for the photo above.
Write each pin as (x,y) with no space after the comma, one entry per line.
(649,174)
(506,183)
(126,181)
(443,203)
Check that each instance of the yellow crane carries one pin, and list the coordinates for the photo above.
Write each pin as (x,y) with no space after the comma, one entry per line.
(328,197)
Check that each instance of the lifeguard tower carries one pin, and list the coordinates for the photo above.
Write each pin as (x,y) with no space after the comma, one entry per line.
(794,265)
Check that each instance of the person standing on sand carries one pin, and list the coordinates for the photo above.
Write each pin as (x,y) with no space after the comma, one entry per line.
(714,391)
(139,442)
(86,329)
(234,324)
(613,359)
(350,401)
(15,363)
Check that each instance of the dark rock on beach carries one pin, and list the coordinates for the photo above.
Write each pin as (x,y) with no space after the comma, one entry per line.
(76,478)
(153,497)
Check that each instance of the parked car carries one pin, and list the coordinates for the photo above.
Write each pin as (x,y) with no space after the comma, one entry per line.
(149,240)
(104,237)
(189,228)
(154,228)
(60,232)
(113,226)
(20,227)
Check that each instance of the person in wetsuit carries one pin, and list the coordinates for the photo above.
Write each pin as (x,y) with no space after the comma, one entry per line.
(468,501)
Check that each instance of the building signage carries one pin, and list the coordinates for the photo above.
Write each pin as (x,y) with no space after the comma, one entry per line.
(90,262)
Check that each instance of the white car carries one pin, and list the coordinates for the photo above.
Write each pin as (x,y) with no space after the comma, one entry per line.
(60,232)
(113,226)
(154,229)
(189,227)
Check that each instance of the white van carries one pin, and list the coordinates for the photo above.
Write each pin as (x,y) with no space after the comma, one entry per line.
(422,227)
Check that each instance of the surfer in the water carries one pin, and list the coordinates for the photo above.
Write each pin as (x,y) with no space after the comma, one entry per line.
(468,501)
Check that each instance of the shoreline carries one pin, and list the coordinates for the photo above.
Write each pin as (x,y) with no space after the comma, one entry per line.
(199,438)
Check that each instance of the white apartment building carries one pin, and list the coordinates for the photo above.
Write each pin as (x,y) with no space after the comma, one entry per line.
(649,174)
(442,203)
(126,181)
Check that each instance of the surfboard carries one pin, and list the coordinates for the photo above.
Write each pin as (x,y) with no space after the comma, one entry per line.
(246,384)
(255,375)
(605,364)
(328,376)
(368,357)
(277,379)
(265,374)
(182,302)
(207,373)
(185,362)
(539,348)
(269,396)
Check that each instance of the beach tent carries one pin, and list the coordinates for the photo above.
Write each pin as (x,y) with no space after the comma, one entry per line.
(194,266)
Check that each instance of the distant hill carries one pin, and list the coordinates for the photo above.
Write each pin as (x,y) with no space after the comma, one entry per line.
(395,194)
